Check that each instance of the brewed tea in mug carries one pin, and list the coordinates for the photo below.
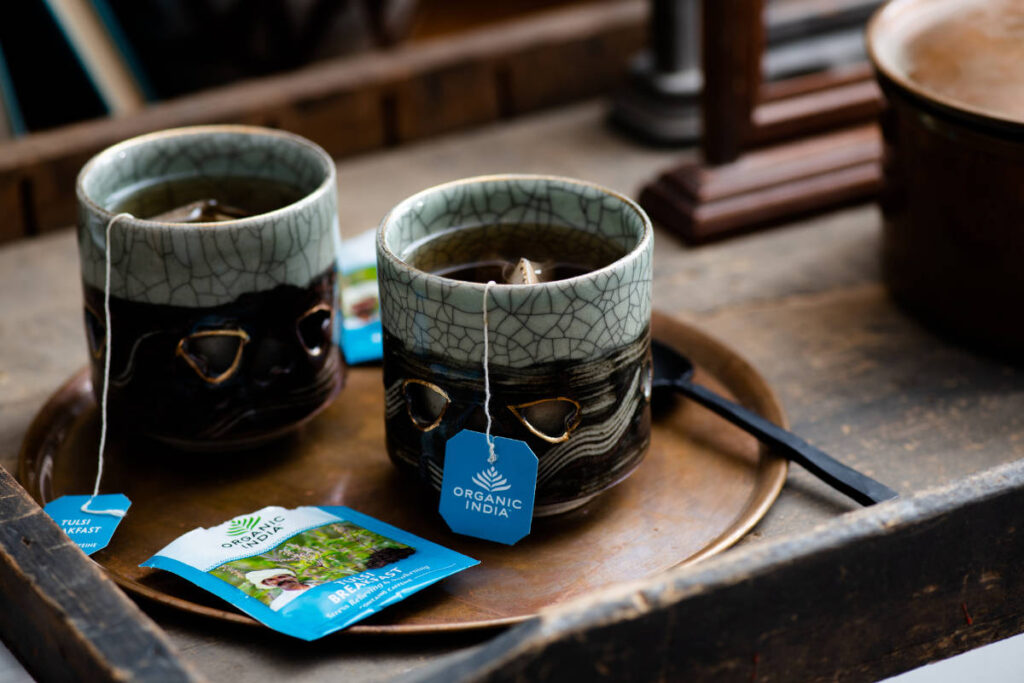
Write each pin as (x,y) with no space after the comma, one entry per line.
(486,253)
(222,283)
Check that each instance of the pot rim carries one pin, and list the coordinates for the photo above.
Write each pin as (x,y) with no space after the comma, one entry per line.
(880,21)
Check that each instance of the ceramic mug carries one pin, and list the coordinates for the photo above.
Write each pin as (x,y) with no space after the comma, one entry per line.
(569,360)
(221,332)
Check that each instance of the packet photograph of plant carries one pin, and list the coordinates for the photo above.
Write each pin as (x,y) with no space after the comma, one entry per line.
(309,559)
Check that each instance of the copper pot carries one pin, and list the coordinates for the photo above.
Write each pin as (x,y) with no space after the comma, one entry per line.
(953,200)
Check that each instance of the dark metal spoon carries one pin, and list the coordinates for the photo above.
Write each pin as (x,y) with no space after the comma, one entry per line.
(672,370)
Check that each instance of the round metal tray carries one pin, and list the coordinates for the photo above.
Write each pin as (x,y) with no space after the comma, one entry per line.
(703,485)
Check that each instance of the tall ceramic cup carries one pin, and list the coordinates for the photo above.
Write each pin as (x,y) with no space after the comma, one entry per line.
(569,360)
(221,331)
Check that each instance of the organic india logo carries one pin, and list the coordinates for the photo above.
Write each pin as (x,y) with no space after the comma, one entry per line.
(491,480)
(488,499)
(249,532)
(242,525)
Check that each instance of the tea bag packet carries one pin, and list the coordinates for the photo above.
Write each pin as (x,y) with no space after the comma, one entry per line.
(309,571)
(360,334)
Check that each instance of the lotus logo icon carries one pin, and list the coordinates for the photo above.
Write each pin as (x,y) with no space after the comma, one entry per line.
(242,525)
(490,480)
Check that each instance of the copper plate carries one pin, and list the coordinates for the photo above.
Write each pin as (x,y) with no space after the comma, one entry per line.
(702,486)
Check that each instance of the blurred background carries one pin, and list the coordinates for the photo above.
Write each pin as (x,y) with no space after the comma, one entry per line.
(357,75)
(70,60)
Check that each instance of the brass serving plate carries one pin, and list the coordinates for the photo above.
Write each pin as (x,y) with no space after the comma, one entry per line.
(703,485)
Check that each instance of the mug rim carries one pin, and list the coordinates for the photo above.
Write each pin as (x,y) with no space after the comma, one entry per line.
(255,131)
(403,206)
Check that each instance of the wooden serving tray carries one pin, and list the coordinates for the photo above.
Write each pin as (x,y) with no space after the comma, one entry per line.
(702,486)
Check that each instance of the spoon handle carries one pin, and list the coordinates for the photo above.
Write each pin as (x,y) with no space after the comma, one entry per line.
(849,481)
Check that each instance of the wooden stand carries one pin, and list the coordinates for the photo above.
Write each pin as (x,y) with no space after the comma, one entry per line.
(703,203)
(735,189)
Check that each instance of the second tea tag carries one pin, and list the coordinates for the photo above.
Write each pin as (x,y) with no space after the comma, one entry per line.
(489,500)
(91,531)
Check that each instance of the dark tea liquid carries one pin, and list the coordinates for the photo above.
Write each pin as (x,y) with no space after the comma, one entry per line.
(202,200)
(485,253)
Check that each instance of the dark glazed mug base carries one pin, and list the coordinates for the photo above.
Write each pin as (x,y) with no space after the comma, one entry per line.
(251,439)
(430,399)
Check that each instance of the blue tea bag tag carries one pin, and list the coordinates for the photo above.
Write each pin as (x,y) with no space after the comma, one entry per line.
(90,532)
(493,501)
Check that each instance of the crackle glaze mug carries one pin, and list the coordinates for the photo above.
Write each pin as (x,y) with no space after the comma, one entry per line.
(221,317)
(569,359)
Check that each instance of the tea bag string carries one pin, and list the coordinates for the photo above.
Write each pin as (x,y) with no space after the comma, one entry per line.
(106,372)
(492,456)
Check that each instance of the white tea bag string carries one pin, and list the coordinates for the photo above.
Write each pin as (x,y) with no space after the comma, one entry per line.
(106,373)
(492,457)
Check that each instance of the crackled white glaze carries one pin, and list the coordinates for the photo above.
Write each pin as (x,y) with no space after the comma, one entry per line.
(202,265)
(579,318)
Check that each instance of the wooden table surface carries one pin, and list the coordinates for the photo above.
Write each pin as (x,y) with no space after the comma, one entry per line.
(803,303)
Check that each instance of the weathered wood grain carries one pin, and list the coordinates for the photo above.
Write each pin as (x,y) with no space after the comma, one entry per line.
(859,598)
(567,71)
(61,615)
(449,98)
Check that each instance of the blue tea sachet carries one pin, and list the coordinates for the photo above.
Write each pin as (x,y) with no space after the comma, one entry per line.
(310,571)
(360,333)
